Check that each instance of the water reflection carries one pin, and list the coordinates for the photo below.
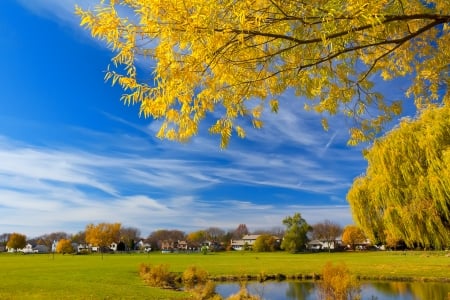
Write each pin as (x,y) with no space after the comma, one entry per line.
(305,290)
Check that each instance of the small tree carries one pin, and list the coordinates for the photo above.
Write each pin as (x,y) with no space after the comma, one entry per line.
(295,237)
(64,246)
(352,236)
(16,241)
(265,243)
(338,283)
(103,234)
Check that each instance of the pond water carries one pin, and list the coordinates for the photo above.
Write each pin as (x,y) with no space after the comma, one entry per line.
(306,290)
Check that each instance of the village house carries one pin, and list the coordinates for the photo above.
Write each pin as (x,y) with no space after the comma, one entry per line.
(245,243)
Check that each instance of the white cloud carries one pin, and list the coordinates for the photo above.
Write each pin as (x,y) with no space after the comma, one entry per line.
(59,10)
(49,189)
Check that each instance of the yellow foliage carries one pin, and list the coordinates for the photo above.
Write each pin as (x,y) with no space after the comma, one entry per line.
(64,246)
(338,283)
(405,193)
(208,54)
(102,234)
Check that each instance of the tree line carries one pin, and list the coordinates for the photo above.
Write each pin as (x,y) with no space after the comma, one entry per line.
(293,237)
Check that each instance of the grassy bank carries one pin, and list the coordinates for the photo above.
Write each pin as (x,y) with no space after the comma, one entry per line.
(116,276)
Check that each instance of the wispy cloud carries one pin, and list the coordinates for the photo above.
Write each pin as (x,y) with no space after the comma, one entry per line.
(61,11)
(68,188)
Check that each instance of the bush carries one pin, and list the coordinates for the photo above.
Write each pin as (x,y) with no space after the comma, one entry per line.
(193,276)
(196,281)
(157,276)
(338,283)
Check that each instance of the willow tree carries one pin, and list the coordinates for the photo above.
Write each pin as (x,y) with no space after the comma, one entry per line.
(405,193)
(182,60)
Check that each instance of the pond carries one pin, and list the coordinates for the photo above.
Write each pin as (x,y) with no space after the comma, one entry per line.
(308,290)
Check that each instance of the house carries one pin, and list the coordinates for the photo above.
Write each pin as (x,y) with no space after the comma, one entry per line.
(245,243)
(27,249)
(314,245)
(167,245)
(41,249)
(182,245)
(82,248)
(113,246)
(143,246)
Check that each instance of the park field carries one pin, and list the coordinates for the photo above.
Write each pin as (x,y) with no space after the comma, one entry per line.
(115,276)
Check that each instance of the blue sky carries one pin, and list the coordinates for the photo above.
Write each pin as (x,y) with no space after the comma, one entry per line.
(72,154)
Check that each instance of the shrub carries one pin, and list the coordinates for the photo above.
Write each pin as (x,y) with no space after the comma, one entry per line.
(157,276)
(193,276)
(338,283)
(196,281)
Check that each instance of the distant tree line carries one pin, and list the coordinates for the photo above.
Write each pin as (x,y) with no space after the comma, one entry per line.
(293,237)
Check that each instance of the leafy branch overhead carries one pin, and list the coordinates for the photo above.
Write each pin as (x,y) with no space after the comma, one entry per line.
(236,58)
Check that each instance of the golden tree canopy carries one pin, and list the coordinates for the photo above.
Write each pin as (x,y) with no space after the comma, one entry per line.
(64,246)
(183,60)
(16,241)
(405,193)
(102,234)
(353,235)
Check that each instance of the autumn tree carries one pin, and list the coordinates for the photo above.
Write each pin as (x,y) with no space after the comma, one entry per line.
(352,236)
(295,237)
(64,246)
(327,231)
(406,188)
(265,243)
(182,60)
(16,241)
(102,234)
(196,238)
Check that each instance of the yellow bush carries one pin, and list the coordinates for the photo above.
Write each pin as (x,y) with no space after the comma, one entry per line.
(157,276)
(338,283)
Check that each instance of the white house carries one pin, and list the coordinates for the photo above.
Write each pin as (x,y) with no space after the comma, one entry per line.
(247,241)
(28,249)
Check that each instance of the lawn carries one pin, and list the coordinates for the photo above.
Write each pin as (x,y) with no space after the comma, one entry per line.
(39,276)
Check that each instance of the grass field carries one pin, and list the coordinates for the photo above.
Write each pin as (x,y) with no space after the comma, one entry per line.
(40,276)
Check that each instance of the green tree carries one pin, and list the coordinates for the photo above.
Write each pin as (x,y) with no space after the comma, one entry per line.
(295,237)
(102,234)
(265,243)
(352,236)
(236,58)
(406,188)
(64,246)
(16,241)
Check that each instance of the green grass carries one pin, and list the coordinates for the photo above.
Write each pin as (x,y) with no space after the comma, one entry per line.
(116,276)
